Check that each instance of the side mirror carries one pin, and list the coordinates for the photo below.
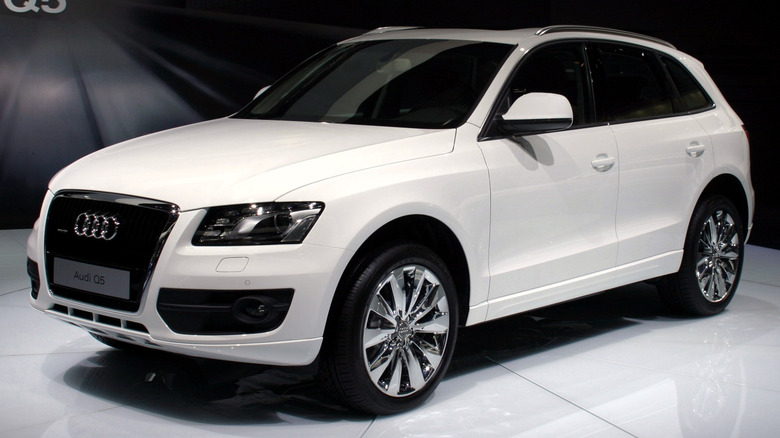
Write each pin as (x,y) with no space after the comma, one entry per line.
(537,113)
(262,90)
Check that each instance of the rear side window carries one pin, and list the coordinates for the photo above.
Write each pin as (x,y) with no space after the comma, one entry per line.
(691,93)
(628,83)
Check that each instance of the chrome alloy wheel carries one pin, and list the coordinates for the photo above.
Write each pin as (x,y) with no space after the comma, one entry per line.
(405,330)
(718,256)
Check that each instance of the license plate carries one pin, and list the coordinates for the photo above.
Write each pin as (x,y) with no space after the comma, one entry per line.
(96,279)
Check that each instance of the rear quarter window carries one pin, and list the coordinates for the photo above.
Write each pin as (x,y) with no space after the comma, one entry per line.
(692,95)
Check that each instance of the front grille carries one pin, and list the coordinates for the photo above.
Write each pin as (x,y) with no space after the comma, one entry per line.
(132,246)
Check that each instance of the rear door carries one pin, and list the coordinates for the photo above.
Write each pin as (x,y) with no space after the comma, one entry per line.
(664,152)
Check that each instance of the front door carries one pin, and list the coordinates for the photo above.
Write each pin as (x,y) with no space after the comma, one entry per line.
(553,196)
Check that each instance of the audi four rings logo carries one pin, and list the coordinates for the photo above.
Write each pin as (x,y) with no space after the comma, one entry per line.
(48,6)
(96,226)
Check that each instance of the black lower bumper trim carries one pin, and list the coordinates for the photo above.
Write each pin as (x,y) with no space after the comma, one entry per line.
(223,312)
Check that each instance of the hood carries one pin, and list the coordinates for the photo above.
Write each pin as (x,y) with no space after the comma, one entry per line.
(233,161)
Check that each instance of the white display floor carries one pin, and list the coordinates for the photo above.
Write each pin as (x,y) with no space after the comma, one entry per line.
(617,364)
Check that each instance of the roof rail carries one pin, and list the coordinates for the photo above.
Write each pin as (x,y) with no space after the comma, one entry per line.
(390,29)
(606,30)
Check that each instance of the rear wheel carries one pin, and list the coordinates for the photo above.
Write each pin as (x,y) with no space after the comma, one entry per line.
(395,333)
(712,260)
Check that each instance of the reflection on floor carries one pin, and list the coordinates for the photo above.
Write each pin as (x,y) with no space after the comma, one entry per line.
(616,364)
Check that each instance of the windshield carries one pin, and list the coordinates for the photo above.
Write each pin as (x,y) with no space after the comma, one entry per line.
(409,83)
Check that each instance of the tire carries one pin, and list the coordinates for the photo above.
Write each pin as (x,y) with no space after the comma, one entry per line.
(395,332)
(712,261)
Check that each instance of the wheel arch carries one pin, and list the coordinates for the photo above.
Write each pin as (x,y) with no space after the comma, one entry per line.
(421,229)
(730,186)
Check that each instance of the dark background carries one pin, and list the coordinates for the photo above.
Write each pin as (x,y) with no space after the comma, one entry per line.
(103,71)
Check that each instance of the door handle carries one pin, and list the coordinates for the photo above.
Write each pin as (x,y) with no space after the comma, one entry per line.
(603,162)
(695,149)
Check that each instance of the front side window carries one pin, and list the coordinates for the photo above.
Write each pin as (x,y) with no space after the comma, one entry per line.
(628,83)
(558,68)
(409,83)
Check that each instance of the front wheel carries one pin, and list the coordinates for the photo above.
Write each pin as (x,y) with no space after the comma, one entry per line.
(712,260)
(395,332)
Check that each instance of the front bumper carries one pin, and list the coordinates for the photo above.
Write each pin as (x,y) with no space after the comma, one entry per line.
(310,272)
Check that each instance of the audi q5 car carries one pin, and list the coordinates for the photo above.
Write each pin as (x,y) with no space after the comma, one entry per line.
(395,187)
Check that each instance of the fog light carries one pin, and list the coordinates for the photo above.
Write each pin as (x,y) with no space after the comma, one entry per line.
(223,312)
(255,309)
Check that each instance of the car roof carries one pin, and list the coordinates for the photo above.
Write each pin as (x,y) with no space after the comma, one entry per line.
(497,36)
(515,36)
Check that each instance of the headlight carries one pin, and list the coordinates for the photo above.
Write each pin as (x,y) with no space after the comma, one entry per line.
(257,224)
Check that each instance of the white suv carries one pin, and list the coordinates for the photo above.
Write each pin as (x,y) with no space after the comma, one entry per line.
(395,187)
